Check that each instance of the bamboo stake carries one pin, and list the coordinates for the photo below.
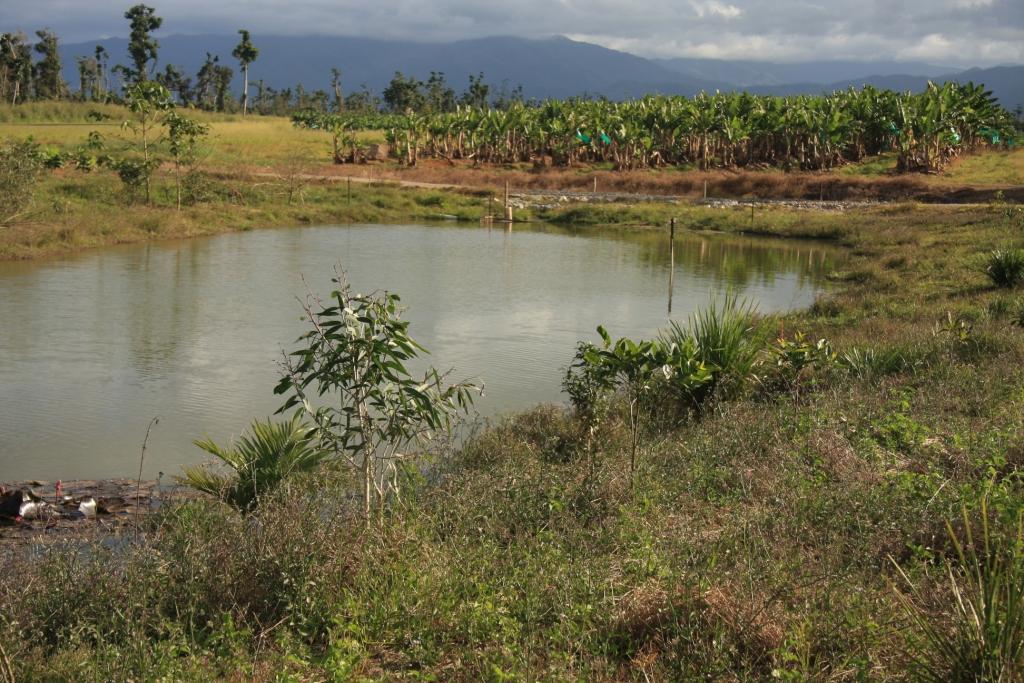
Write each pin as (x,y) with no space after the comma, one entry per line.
(671,261)
(138,484)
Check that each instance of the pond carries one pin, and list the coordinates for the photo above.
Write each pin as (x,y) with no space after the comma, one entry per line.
(93,347)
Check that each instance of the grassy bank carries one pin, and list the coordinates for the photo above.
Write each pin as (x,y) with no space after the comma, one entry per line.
(770,536)
(74,211)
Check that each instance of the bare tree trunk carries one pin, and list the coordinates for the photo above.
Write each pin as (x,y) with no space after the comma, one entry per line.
(367,480)
(245,89)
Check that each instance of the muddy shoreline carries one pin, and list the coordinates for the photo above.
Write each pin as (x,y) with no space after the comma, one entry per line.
(80,509)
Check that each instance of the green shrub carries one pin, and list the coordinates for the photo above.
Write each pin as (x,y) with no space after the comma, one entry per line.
(826,307)
(798,362)
(135,175)
(636,369)
(429,200)
(1005,267)
(258,463)
(21,164)
(378,417)
(196,188)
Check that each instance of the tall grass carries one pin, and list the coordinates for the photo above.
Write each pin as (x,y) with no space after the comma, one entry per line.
(866,362)
(61,111)
(982,638)
(73,111)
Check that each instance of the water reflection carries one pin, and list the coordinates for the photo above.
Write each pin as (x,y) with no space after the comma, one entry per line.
(92,348)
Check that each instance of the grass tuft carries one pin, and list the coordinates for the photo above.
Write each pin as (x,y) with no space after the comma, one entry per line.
(1005,267)
(981,636)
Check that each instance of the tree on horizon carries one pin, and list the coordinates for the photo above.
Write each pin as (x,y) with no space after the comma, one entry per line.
(142,47)
(246,53)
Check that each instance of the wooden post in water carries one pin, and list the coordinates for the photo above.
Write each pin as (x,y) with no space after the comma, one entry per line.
(595,184)
(508,207)
(671,261)
(705,188)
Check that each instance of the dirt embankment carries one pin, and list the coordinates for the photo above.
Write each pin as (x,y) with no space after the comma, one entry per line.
(756,184)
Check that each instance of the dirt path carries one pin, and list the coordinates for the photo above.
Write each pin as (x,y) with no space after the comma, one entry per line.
(547,198)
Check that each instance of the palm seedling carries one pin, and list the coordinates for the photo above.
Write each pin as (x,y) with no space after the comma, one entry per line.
(257,463)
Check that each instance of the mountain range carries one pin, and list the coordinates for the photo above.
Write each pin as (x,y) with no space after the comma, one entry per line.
(549,67)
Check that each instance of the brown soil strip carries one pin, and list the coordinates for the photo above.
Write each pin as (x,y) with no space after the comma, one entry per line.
(743,184)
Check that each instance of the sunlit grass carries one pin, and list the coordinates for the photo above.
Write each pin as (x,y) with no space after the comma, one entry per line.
(872,166)
(73,211)
(999,167)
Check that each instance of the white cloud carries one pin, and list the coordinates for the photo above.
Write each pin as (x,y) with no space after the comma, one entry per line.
(715,8)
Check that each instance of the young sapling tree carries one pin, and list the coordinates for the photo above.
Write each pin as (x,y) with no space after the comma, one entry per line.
(376,415)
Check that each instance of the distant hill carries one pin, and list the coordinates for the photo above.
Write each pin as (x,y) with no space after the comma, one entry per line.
(551,67)
(1005,82)
(554,67)
(748,73)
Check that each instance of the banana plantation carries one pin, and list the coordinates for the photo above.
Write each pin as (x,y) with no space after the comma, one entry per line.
(925,130)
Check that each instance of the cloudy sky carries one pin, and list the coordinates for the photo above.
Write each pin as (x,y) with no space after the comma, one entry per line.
(948,32)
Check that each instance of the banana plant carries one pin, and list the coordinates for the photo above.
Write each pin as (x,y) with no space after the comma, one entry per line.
(926,129)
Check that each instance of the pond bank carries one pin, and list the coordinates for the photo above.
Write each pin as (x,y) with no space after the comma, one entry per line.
(84,509)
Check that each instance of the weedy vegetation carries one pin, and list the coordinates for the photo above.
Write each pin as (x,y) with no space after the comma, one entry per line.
(21,165)
(984,640)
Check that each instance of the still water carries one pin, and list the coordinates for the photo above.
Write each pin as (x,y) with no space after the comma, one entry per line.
(93,347)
